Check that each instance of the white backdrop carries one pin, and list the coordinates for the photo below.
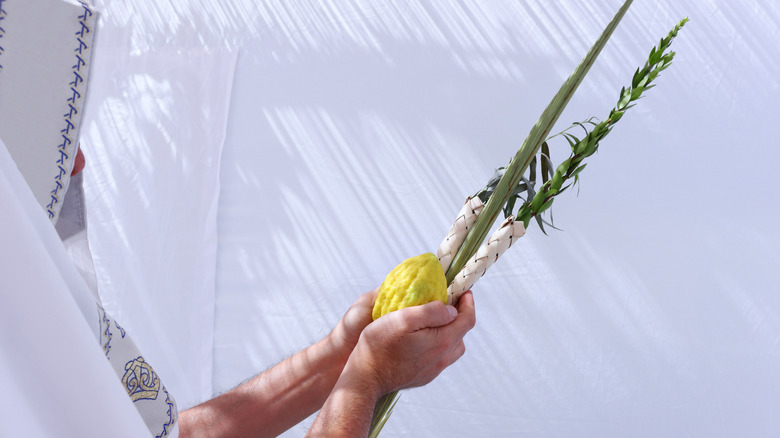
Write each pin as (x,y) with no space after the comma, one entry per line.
(353,134)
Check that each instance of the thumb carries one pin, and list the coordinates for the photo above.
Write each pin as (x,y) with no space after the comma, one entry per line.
(433,314)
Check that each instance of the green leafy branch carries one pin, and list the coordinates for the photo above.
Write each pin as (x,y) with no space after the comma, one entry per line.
(536,202)
(528,150)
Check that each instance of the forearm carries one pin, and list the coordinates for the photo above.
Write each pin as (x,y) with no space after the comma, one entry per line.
(347,412)
(273,401)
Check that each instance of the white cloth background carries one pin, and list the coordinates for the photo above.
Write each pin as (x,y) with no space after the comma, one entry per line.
(153,140)
(356,130)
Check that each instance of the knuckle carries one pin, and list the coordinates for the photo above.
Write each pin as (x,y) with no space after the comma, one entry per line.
(405,319)
(472,321)
(443,348)
(442,364)
(434,310)
(469,321)
(445,343)
(461,350)
(435,304)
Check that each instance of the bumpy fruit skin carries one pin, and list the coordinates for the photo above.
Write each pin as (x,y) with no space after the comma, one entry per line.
(418,280)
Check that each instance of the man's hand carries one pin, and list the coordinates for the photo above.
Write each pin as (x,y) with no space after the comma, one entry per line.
(403,349)
(411,346)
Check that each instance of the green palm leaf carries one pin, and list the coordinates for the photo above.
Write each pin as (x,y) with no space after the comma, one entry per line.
(519,164)
(509,181)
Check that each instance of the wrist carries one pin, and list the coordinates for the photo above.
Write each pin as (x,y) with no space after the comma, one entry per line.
(362,372)
(347,412)
(339,345)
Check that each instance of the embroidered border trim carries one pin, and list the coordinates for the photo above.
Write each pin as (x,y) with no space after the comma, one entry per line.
(172,415)
(3,14)
(121,330)
(73,104)
(106,334)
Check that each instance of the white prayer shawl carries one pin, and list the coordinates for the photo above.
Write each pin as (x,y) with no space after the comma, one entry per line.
(54,334)
(143,385)
(55,377)
(45,59)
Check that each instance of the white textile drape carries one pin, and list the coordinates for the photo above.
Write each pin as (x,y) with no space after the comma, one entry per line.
(153,141)
(56,380)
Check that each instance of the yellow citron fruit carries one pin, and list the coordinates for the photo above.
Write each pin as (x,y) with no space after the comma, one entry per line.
(418,280)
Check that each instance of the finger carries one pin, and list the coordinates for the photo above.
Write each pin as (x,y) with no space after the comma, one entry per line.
(457,352)
(431,315)
(469,299)
(460,350)
(368,298)
(466,315)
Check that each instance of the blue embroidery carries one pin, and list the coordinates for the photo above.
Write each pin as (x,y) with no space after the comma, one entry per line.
(79,63)
(63,156)
(82,46)
(75,96)
(54,201)
(78,79)
(171,415)
(72,111)
(62,172)
(73,101)
(87,12)
(106,335)
(121,330)
(3,14)
(69,125)
(84,28)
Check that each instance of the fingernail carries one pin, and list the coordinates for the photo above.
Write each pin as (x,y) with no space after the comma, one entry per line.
(453,311)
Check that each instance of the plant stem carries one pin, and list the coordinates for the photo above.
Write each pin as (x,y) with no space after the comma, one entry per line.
(528,150)
(658,60)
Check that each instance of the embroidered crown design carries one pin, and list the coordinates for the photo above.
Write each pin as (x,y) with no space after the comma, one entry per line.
(140,380)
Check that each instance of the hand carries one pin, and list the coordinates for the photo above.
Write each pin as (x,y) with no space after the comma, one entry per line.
(411,346)
(345,335)
(405,348)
